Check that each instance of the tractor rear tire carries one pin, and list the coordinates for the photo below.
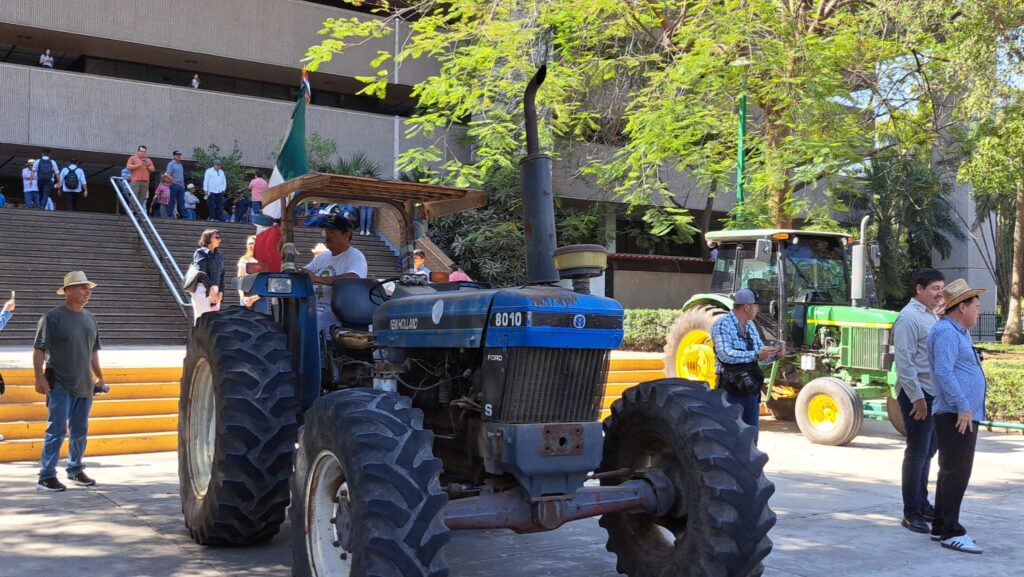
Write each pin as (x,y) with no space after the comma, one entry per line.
(689,352)
(366,496)
(237,424)
(829,412)
(782,408)
(719,522)
(892,407)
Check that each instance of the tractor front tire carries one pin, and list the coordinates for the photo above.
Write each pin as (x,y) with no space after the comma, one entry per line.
(689,352)
(366,496)
(237,424)
(892,407)
(719,522)
(829,412)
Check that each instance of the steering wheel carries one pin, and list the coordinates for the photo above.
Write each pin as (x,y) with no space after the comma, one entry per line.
(379,294)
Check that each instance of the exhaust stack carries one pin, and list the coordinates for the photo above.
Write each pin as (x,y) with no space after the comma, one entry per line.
(538,197)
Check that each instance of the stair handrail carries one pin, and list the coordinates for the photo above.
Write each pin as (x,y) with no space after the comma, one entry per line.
(124,193)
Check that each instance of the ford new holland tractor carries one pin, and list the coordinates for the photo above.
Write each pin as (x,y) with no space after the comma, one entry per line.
(838,366)
(454,406)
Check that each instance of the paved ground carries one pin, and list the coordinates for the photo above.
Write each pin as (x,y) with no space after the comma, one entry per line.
(838,513)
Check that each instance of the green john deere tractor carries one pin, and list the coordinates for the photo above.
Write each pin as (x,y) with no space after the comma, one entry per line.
(838,368)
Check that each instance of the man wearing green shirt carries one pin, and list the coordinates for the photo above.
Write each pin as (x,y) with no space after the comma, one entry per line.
(68,341)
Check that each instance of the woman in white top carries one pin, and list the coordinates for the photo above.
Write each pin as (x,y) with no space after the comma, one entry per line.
(250,245)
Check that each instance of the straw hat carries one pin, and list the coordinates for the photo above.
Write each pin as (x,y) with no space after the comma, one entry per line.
(73,278)
(958,291)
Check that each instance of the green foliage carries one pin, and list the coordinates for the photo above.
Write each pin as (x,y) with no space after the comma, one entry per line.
(320,151)
(231,164)
(659,81)
(912,216)
(1005,398)
(645,329)
(488,242)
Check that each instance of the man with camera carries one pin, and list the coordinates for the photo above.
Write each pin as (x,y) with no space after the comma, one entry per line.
(740,352)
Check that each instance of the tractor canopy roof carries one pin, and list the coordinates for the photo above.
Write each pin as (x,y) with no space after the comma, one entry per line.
(433,200)
(720,236)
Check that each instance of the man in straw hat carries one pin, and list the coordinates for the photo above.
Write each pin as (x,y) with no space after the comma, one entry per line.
(958,406)
(68,340)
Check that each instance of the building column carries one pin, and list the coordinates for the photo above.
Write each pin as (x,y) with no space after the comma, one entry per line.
(597,285)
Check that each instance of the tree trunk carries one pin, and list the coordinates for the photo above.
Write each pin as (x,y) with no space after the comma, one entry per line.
(779,183)
(1012,333)
(705,219)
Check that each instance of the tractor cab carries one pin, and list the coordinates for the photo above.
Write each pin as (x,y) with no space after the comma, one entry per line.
(790,269)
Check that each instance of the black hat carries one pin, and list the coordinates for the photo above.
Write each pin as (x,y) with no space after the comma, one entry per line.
(337,222)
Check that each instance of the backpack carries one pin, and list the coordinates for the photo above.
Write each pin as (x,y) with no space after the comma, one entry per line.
(44,170)
(71,181)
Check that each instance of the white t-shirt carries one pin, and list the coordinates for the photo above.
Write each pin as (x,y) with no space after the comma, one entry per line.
(326,264)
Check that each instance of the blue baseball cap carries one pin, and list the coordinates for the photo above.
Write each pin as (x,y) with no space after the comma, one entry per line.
(748,297)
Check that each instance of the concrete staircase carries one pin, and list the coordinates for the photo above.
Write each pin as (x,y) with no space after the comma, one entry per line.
(139,415)
(132,305)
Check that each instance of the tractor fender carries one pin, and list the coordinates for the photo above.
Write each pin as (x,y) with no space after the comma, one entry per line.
(709,299)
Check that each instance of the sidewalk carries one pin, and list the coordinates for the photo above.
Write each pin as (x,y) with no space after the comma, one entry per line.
(838,507)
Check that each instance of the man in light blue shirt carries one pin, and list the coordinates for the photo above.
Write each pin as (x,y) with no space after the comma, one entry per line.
(915,394)
(215,183)
(959,405)
(74,188)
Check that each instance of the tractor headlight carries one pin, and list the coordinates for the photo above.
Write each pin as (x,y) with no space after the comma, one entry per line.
(279,285)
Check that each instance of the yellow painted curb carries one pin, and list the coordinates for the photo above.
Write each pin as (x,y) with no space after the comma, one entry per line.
(31,450)
(97,426)
(110,376)
(128,408)
(637,364)
(28,394)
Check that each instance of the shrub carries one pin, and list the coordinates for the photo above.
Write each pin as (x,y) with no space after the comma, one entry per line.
(1005,399)
(646,328)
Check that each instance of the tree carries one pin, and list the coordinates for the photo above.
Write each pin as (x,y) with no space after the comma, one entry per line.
(658,81)
(996,169)
(912,216)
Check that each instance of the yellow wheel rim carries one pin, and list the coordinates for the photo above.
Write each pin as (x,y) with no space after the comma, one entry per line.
(695,357)
(823,412)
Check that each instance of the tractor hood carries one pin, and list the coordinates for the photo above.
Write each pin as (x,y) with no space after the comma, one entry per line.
(842,316)
(534,316)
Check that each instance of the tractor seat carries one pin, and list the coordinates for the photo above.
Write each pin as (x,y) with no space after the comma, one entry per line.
(351,302)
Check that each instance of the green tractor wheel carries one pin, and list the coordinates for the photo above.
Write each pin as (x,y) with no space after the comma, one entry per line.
(829,412)
(689,352)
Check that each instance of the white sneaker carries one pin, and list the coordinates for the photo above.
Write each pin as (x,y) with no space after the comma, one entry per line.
(962,543)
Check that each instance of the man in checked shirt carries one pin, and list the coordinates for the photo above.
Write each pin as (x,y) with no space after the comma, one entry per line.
(738,347)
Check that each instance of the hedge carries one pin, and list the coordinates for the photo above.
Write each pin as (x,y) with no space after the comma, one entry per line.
(645,329)
(1005,400)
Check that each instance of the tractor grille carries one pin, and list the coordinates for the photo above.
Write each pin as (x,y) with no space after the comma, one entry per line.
(554,385)
(866,348)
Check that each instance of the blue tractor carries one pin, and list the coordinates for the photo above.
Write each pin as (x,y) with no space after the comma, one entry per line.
(455,406)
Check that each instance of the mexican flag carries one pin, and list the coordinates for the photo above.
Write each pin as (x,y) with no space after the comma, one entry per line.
(292,160)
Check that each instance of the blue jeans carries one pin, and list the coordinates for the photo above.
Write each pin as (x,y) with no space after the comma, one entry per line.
(65,411)
(241,207)
(751,405)
(45,188)
(215,202)
(176,201)
(32,199)
(188,213)
(257,207)
(917,458)
(365,219)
